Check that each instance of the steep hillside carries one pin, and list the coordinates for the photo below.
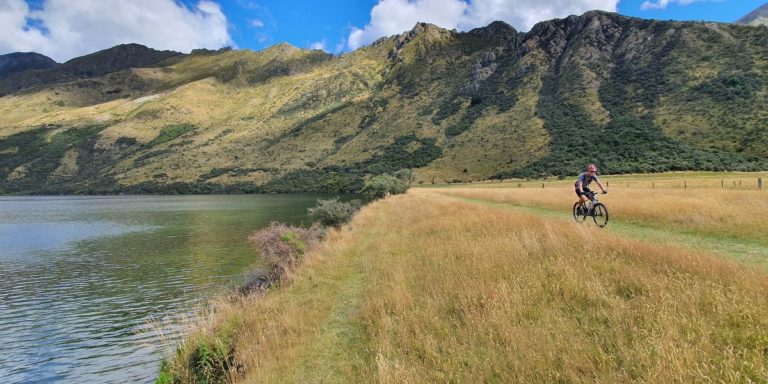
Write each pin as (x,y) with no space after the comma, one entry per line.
(630,94)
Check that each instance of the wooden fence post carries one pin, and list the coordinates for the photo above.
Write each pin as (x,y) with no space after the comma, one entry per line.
(760,183)
(685,184)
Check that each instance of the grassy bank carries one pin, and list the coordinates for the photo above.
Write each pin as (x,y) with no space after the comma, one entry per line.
(426,288)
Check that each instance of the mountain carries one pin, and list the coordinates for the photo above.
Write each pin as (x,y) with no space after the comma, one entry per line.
(755,18)
(112,60)
(13,63)
(630,94)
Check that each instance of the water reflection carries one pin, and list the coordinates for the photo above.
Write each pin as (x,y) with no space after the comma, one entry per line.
(81,277)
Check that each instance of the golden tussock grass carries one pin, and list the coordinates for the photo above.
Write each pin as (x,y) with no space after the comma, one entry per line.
(427,288)
(735,213)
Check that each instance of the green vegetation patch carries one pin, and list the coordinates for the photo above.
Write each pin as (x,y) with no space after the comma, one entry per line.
(333,212)
(170,132)
(630,142)
(207,360)
(40,151)
(401,154)
(731,86)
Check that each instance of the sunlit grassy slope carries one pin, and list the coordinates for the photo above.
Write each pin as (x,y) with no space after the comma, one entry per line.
(716,212)
(426,287)
(633,95)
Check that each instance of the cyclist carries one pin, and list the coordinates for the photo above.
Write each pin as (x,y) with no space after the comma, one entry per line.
(582,185)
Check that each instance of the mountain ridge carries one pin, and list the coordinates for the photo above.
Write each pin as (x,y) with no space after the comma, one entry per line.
(17,62)
(634,95)
(757,17)
(117,58)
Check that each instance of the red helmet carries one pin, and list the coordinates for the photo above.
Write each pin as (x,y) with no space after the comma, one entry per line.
(592,167)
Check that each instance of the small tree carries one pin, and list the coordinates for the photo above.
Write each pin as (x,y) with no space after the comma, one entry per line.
(378,187)
(406,176)
(334,212)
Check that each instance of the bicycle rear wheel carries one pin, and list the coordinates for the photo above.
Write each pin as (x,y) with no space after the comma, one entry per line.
(576,216)
(600,215)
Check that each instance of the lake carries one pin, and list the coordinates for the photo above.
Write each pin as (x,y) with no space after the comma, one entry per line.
(83,278)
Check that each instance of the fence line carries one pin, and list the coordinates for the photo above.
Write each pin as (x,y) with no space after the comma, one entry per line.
(735,184)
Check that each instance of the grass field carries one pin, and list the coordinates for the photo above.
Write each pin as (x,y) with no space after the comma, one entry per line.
(499,285)
(669,180)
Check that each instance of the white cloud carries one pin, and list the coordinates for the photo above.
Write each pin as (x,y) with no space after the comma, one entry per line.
(318,45)
(390,17)
(257,23)
(76,28)
(662,4)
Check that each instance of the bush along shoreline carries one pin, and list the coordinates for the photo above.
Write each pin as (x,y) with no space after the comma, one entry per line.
(206,354)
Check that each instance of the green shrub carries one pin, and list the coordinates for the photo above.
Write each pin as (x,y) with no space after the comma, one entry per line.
(378,187)
(211,361)
(406,176)
(165,376)
(334,212)
(171,132)
(207,360)
(285,244)
(282,247)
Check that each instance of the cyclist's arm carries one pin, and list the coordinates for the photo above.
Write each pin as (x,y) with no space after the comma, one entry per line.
(579,186)
(601,186)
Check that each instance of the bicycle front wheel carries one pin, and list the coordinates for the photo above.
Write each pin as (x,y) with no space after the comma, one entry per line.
(576,215)
(600,215)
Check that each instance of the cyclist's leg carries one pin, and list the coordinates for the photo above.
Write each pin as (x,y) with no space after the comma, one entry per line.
(582,197)
(585,196)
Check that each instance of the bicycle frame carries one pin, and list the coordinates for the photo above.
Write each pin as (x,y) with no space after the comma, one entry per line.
(592,201)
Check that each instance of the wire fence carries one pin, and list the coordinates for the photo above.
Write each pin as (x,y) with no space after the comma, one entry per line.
(740,183)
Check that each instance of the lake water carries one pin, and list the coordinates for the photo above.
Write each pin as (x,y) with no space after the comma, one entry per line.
(81,278)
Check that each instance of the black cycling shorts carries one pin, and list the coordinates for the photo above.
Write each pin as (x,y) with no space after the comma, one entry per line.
(586,192)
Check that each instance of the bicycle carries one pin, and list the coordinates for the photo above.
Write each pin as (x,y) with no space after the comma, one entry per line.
(597,210)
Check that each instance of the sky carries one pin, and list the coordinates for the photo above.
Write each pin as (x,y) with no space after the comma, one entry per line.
(65,29)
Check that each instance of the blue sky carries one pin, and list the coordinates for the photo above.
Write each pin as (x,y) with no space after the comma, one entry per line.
(63,29)
(726,11)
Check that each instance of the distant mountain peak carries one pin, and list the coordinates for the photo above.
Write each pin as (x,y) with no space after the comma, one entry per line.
(18,62)
(757,17)
(428,31)
(283,47)
(117,58)
(131,51)
(496,28)
(578,22)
